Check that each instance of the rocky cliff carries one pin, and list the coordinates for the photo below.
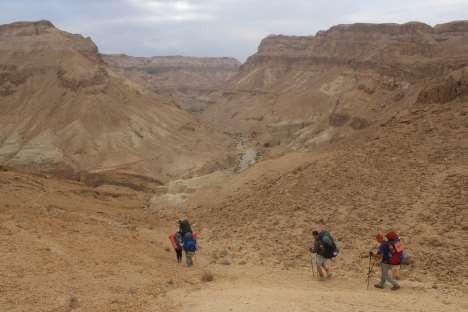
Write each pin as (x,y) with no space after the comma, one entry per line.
(299,92)
(64,109)
(189,81)
(379,115)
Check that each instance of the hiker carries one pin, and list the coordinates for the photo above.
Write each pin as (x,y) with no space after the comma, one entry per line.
(189,244)
(324,249)
(176,241)
(394,239)
(188,241)
(387,254)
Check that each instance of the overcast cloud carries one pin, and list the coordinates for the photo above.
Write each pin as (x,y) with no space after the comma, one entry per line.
(215,27)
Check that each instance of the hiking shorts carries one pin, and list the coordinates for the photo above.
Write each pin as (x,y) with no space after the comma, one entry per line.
(320,260)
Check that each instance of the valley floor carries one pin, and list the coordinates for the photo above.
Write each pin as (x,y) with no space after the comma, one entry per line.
(66,247)
(259,290)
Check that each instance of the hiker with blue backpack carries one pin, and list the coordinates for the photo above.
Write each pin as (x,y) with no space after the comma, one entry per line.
(184,240)
(324,249)
(390,252)
(189,241)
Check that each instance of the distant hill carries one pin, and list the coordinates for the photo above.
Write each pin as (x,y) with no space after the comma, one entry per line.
(64,109)
(299,92)
(189,81)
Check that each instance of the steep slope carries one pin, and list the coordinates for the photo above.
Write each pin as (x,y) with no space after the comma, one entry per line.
(402,164)
(68,247)
(298,92)
(190,81)
(409,174)
(64,109)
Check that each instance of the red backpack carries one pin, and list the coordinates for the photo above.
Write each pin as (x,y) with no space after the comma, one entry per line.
(396,248)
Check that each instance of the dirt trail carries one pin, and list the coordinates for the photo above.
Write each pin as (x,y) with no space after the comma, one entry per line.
(67,247)
(255,289)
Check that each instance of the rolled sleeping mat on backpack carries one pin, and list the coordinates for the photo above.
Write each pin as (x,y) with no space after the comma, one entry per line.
(392,235)
(173,242)
(405,258)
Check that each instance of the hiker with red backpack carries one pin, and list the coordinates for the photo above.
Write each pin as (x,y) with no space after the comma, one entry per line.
(399,255)
(390,251)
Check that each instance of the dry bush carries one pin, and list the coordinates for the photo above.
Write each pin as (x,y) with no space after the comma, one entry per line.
(207,277)
(225,262)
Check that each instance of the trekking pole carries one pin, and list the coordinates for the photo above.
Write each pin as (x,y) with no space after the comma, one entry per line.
(369,272)
(312,260)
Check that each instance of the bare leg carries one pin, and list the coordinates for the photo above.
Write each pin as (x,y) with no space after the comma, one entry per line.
(396,272)
(322,270)
(327,270)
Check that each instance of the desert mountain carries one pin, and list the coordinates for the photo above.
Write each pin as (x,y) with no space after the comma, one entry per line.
(297,92)
(62,108)
(379,113)
(189,81)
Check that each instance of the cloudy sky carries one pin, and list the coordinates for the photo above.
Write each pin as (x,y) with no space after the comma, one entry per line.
(215,27)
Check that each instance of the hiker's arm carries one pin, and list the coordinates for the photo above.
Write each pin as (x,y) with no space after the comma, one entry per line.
(315,247)
(376,254)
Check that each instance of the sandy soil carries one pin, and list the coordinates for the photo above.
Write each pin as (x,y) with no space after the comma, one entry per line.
(259,289)
(67,247)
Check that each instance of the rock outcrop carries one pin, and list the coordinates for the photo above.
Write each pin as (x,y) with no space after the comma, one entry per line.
(64,109)
(379,114)
(298,92)
(189,81)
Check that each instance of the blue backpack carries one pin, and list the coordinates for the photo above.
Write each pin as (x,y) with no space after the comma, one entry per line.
(189,243)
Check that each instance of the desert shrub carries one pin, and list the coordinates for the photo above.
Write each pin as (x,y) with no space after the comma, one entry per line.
(207,277)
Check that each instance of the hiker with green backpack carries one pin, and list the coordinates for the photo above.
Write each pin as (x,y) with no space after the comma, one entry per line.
(324,249)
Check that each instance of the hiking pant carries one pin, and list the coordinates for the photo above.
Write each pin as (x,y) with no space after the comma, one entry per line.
(385,268)
(179,254)
(188,257)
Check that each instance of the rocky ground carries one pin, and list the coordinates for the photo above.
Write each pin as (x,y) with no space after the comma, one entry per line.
(68,247)
(409,175)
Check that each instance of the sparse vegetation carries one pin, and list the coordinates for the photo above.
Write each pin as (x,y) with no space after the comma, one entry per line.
(207,277)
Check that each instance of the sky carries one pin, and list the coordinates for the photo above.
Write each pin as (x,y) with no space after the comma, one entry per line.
(232,28)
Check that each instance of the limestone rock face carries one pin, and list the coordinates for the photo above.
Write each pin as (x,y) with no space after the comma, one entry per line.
(189,81)
(63,108)
(298,92)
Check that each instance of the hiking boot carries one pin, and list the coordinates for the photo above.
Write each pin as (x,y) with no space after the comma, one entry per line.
(378,286)
(395,287)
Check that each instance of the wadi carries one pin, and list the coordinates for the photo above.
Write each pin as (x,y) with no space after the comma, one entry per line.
(359,129)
